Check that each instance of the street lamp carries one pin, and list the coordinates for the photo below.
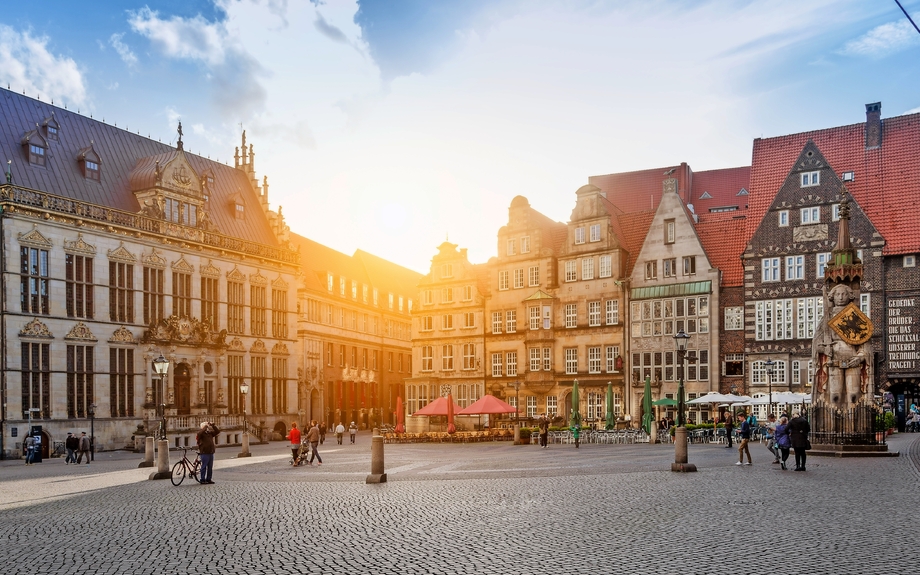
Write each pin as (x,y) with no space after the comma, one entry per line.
(161,366)
(681,340)
(92,431)
(770,363)
(244,391)
(517,400)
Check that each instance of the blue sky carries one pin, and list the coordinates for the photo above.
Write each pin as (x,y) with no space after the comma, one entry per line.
(391,125)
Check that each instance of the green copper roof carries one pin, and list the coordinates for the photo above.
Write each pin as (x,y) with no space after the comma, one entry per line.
(540,294)
(673,290)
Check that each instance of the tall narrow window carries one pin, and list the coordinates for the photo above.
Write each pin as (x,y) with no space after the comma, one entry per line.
(612,311)
(279,383)
(182,294)
(469,356)
(587,269)
(594,313)
(511,321)
(79,292)
(209,299)
(79,380)
(496,322)
(605,267)
(36,378)
(235,376)
(279,314)
(257,310)
(34,280)
(571,360)
(511,363)
(427,357)
(153,295)
(121,292)
(257,397)
(235,307)
(497,365)
(669,231)
(121,382)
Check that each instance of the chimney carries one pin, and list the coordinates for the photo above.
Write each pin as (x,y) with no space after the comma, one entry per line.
(874,125)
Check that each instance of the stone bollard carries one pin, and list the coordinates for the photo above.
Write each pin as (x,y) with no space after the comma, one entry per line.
(245,448)
(148,453)
(375,432)
(653,436)
(680,451)
(378,474)
(517,434)
(162,471)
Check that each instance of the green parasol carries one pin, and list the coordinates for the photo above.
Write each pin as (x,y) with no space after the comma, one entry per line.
(647,406)
(575,419)
(611,423)
(666,402)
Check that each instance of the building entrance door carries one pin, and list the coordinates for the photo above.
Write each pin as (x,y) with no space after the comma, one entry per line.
(182,381)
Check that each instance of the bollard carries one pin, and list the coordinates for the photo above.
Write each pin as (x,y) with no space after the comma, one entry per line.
(245,450)
(162,471)
(653,436)
(517,434)
(148,453)
(377,469)
(680,451)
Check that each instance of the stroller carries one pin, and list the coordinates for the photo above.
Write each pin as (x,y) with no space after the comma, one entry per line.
(303,453)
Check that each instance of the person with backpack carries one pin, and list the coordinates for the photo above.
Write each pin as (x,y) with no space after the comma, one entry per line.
(745,438)
(206,449)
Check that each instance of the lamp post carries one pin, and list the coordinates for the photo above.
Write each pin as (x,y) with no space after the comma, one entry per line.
(680,434)
(92,431)
(161,366)
(770,363)
(517,400)
(244,391)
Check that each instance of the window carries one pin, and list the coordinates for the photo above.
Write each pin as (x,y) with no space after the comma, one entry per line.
(510,251)
(497,365)
(35,363)
(519,278)
(613,311)
(835,212)
(447,270)
(534,317)
(36,155)
(613,354)
(91,170)
(821,261)
(571,270)
(182,294)
(390,361)
(279,387)
(79,289)
(240,212)
(257,305)
(330,282)
(469,319)
(809,179)
(235,307)
(909,261)
(447,321)
(469,356)
(426,323)
(605,268)
(496,322)
(811,215)
(689,265)
(759,373)
(79,380)
(580,235)
(734,318)
(795,267)
(669,267)
(595,233)
(773,320)
(783,218)
(770,269)
(525,245)
(594,402)
(669,231)
(571,361)
(467,294)
(594,313)
(503,280)
(535,361)
(733,364)
(864,304)
(533,276)
(364,294)
(375,301)
(181,212)
(547,317)
(531,406)
(447,358)
(257,391)
(511,363)
(587,269)
(121,292)
(547,359)
(447,296)
(279,315)
(552,405)
(427,354)
(121,382)
(651,270)
(594,359)
(34,280)
(810,311)
(511,321)
(571,315)
(153,295)
(209,299)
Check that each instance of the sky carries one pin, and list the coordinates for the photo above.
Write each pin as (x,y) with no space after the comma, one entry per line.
(393,125)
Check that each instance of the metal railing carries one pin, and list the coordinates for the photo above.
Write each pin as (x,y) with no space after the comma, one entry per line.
(857,426)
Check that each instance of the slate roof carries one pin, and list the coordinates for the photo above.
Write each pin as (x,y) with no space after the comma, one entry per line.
(119,152)
(887,178)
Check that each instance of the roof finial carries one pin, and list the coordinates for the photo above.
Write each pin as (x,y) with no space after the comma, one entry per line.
(179,129)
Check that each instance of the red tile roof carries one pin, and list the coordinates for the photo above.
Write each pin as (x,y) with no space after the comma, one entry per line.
(887,179)
(722,236)
(634,227)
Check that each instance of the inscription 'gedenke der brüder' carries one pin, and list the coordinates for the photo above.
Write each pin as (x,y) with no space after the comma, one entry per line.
(902,338)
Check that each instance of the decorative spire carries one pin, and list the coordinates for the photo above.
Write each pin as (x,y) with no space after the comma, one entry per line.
(845,266)
(179,129)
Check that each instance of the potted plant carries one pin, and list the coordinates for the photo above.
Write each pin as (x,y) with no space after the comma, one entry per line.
(890,422)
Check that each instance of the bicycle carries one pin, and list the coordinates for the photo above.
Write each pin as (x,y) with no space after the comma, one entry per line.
(185,467)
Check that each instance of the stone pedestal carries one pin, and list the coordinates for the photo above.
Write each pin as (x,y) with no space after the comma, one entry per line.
(378,474)
(148,453)
(245,449)
(680,451)
(162,471)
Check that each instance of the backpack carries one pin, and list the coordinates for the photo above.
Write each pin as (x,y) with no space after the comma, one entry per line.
(752,421)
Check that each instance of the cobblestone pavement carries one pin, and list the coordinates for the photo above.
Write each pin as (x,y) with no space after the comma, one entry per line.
(480,508)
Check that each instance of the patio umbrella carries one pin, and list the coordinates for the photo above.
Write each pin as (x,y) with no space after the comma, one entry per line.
(610,423)
(575,420)
(487,405)
(451,428)
(400,416)
(665,401)
(439,407)
(647,406)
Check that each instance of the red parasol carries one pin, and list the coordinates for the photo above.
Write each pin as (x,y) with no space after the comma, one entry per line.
(451,428)
(488,404)
(400,416)
(437,407)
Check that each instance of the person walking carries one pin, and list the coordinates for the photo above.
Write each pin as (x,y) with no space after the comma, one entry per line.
(71,444)
(771,439)
(745,439)
(799,429)
(352,430)
(29,446)
(294,436)
(322,432)
(313,438)
(339,432)
(83,448)
(544,430)
(729,426)
(576,433)
(206,448)
(781,439)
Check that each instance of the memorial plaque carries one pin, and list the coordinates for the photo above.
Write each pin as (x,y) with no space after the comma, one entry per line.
(903,339)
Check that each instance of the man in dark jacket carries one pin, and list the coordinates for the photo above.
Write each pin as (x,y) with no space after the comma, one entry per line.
(84,447)
(71,444)
(745,439)
(206,448)
(798,436)
(313,438)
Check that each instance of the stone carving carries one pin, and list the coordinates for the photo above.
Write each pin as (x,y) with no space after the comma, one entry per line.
(842,369)
(280,349)
(187,330)
(205,223)
(209,270)
(35,328)
(257,279)
(154,260)
(280,284)
(236,345)
(34,238)
(182,266)
(80,331)
(79,246)
(122,335)
(809,233)
(236,275)
(153,207)
(258,347)
(121,254)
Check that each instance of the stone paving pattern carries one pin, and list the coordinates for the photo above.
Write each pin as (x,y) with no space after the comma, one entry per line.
(478,508)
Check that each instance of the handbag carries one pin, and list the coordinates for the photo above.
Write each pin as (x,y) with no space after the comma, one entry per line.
(807,444)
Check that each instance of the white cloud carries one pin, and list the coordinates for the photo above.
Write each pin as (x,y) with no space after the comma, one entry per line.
(27,64)
(883,40)
(123,50)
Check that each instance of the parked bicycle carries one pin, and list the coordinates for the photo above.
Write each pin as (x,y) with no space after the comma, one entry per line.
(185,466)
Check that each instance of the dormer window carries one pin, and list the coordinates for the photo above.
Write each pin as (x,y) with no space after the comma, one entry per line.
(181,212)
(50,128)
(52,132)
(90,163)
(239,211)
(36,155)
(91,170)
